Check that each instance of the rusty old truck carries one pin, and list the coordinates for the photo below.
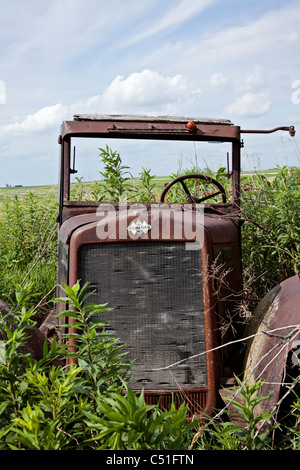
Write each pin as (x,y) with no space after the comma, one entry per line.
(154,263)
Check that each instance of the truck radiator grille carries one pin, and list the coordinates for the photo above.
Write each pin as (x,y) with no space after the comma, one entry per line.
(194,399)
(155,290)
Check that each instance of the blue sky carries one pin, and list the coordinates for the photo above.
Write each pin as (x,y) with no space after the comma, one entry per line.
(208,58)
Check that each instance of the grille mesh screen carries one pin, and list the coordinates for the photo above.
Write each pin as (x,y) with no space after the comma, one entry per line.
(155,290)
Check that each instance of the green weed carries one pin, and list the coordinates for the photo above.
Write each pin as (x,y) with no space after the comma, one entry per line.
(115,176)
(271,229)
(88,404)
(28,244)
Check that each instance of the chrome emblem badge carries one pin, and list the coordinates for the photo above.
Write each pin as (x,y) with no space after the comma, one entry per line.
(139,228)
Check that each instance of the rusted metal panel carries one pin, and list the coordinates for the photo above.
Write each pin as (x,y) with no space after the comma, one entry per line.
(35,338)
(276,326)
(219,232)
(197,399)
(154,119)
(175,129)
(50,327)
(221,226)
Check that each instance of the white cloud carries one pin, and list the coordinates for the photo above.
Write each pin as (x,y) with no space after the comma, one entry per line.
(148,90)
(250,104)
(194,57)
(43,119)
(266,39)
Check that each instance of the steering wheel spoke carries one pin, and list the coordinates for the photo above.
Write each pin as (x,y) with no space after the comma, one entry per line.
(191,198)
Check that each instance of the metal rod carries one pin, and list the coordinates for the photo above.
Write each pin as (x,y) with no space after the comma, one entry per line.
(291,130)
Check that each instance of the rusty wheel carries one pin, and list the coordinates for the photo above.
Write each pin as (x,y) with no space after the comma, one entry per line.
(191,198)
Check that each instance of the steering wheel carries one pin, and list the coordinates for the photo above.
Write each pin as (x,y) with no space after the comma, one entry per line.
(191,198)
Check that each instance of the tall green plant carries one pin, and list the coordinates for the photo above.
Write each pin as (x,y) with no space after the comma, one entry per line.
(115,175)
(82,406)
(43,405)
(271,231)
(229,435)
(97,352)
(127,423)
(48,406)
(146,194)
(22,378)
(292,442)
(28,243)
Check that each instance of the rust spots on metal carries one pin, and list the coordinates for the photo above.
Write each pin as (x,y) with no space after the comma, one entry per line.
(290,129)
(35,338)
(276,326)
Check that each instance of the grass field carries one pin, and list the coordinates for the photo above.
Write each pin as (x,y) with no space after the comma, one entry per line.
(157,180)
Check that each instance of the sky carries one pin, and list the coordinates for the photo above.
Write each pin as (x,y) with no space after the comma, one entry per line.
(230,59)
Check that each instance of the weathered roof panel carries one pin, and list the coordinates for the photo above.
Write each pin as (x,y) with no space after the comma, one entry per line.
(135,118)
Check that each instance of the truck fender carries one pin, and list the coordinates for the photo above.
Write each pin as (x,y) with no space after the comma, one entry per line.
(36,336)
(275,325)
(35,341)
